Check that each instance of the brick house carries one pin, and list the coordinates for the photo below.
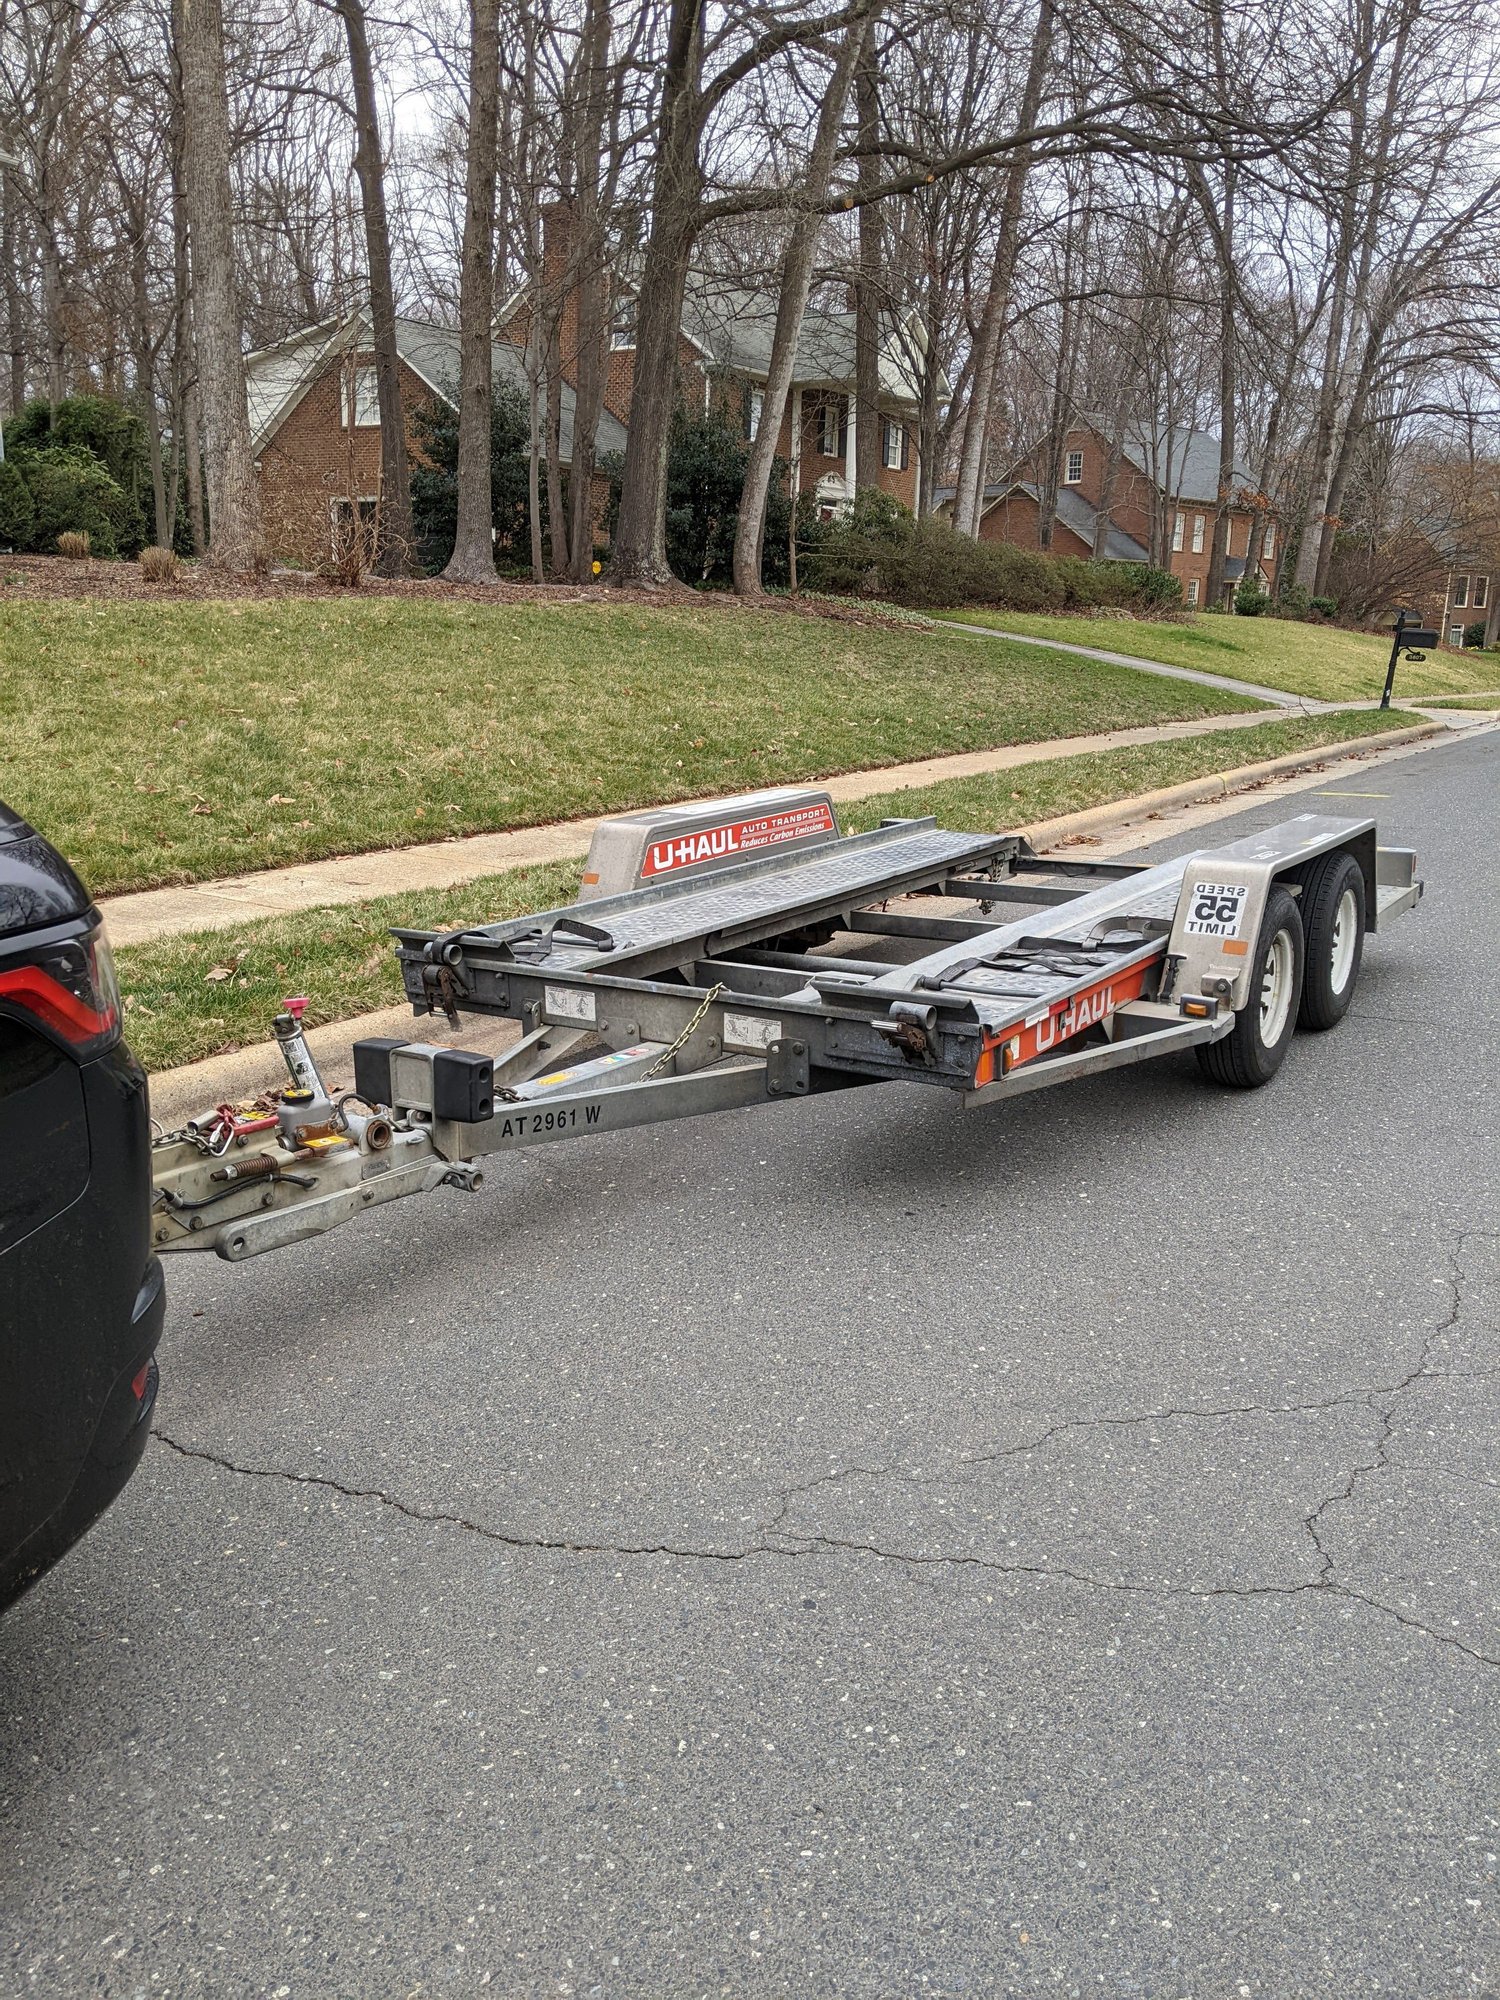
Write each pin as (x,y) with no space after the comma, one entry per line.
(1469,599)
(1154,490)
(315,420)
(723,358)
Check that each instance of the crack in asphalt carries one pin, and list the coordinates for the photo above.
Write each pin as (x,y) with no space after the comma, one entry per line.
(1382,1398)
(1386,1410)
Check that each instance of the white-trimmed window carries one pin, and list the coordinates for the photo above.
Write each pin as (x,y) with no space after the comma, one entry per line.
(622,322)
(1197,534)
(833,427)
(1460,592)
(1456,636)
(1192,590)
(364,400)
(1178,525)
(1481,592)
(1268,546)
(756,409)
(895,446)
(1074,472)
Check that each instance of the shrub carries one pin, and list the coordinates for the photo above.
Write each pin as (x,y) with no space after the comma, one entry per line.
(878,549)
(434,486)
(1250,600)
(74,543)
(159,565)
(99,431)
(1474,635)
(1324,607)
(1293,601)
(351,555)
(17,513)
(706,459)
(70,490)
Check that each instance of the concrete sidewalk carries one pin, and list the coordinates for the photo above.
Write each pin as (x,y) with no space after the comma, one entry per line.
(443,864)
(1277,697)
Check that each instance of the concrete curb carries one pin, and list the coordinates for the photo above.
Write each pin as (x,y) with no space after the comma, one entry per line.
(1220,784)
(177,1094)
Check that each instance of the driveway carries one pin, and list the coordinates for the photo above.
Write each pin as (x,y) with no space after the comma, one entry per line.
(860,1548)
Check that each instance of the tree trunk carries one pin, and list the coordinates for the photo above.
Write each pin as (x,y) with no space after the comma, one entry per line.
(1228,405)
(589,288)
(639,552)
(15,310)
(473,559)
(557,524)
(791,304)
(867,291)
(393,558)
(236,542)
(968,502)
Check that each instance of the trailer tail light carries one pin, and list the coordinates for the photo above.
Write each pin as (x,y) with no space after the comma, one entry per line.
(68,992)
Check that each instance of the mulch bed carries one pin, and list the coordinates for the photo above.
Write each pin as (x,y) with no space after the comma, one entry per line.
(56,577)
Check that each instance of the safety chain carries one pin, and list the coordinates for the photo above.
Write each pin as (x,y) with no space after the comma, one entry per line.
(686,1036)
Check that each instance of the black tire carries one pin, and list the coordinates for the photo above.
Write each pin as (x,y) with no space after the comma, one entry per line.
(1333,901)
(1246,1058)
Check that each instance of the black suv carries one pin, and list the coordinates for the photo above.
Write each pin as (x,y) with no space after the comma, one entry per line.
(80,1291)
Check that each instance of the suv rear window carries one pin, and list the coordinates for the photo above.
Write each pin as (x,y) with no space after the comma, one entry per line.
(44,1134)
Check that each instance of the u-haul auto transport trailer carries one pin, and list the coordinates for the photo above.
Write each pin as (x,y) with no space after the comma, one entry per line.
(695,975)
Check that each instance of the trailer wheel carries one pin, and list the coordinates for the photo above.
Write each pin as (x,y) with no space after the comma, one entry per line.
(1333,918)
(1251,1053)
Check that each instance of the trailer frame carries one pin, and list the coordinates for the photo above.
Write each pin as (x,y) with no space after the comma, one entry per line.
(718,991)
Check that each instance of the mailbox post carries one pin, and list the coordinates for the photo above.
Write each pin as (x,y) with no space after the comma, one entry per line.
(1408,635)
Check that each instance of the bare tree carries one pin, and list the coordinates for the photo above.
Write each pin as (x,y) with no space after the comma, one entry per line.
(473,559)
(235,541)
(395,474)
(791,305)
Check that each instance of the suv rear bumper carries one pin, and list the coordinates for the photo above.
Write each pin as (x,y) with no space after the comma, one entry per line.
(116,1449)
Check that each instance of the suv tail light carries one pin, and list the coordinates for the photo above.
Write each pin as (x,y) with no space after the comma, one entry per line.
(68,992)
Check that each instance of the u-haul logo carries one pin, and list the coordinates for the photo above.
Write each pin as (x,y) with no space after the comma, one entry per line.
(1006,1048)
(736,837)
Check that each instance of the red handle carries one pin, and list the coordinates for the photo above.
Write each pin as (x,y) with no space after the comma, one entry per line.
(296,1008)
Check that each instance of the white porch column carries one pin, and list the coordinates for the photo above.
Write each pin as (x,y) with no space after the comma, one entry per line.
(796,453)
(849,446)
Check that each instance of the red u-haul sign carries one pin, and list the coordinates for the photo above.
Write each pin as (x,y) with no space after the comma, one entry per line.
(1008,1048)
(736,837)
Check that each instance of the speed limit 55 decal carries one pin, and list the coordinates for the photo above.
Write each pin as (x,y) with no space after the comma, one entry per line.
(1218,909)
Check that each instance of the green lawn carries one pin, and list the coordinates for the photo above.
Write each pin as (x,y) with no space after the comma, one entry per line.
(1319,661)
(178,742)
(193,996)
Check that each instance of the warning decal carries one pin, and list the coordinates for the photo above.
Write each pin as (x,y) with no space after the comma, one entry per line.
(740,836)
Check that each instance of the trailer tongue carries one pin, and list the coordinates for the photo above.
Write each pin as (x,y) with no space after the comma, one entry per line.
(695,976)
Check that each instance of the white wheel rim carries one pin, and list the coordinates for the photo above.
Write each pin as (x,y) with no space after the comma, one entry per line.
(1345,938)
(1276,989)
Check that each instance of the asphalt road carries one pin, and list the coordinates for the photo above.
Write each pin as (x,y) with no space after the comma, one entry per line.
(854,1549)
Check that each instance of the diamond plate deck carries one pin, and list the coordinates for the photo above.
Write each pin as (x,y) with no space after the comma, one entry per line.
(737,905)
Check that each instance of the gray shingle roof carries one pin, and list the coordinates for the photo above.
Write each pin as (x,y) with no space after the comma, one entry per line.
(277,378)
(1183,462)
(736,326)
(1072,510)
